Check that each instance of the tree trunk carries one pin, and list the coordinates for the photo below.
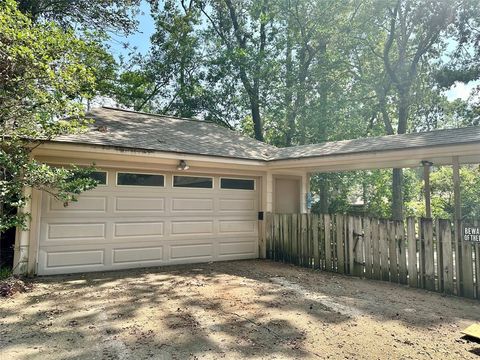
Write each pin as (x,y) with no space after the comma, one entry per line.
(323,194)
(397,178)
(257,120)
(323,92)
(290,115)
(397,194)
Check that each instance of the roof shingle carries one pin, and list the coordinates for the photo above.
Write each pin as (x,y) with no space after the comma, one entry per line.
(129,129)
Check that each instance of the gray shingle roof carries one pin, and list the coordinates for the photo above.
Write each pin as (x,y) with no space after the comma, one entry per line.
(383,143)
(129,129)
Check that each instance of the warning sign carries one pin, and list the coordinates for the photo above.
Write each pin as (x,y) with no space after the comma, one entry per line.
(471,233)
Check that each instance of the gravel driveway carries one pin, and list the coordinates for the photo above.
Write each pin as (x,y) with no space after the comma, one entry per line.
(232,310)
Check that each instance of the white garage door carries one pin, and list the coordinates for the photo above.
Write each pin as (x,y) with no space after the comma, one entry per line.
(147,219)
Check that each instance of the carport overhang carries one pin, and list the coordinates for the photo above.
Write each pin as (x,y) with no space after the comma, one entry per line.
(466,153)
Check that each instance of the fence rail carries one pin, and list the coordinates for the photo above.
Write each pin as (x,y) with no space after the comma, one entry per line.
(422,253)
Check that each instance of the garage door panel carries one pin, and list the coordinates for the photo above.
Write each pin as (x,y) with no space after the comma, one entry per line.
(140,254)
(237,205)
(84,204)
(192,204)
(238,226)
(191,251)
(237,248)
(191,227)
(139,229)
(74,258)
(77,231)
(139,204)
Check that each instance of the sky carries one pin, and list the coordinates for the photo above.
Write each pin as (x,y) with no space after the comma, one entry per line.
(141,41)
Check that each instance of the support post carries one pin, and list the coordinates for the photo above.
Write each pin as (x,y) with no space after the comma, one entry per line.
(426,187)
(457,224)
(456,188)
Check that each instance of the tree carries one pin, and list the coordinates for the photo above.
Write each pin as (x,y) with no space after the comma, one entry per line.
(99,15)
(240,28)
(414,32)
(167,80)
(43,73)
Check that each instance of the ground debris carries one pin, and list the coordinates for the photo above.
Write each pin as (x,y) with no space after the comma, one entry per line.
(12,285)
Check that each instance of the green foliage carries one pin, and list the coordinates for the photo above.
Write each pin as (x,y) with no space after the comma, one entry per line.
(5,273)
(45,71)
(100,15)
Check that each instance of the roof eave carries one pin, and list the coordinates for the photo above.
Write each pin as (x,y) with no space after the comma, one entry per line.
(378,159)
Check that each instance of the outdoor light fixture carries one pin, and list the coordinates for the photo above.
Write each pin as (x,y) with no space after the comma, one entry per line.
(426,163)
(182,165)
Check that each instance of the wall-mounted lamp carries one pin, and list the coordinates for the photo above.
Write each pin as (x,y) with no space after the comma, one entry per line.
(426,163)
(182,165)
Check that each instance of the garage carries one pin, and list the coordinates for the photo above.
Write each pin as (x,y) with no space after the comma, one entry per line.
(137,219)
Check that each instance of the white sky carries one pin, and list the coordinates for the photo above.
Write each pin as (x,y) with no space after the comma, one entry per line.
(461,90)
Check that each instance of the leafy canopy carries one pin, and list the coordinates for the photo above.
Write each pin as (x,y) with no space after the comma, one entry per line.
(44,72)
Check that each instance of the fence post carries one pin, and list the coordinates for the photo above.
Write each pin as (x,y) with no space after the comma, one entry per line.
(328,244)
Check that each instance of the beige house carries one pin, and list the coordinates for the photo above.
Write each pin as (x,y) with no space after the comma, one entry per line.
(176,191)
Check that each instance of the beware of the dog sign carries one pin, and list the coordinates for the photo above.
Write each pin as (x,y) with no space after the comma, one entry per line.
(471,233)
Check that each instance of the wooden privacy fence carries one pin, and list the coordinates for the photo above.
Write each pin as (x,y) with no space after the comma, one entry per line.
(423,253)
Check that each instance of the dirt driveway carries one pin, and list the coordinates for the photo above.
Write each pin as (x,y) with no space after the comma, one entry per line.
(243,309)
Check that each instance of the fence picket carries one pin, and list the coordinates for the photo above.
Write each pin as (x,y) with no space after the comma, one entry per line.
(367,237)
(401,252)
(304,239)
(382,231)
(316,251)
(339,243)
(293,239)
(439,256)
(412,253)
(392,252)
(467,268)
(477,269)
(357,247)
(376,249)
(350,243)
(429,254)
(268,234)
(445,234)
(321,240)
(328,244)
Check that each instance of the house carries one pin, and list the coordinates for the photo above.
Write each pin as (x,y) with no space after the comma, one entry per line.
(176,190)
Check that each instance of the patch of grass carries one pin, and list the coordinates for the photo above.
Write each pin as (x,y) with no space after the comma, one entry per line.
(5,273)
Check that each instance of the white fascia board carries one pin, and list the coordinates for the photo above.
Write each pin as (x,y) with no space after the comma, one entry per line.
(98,154)
(440,155)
